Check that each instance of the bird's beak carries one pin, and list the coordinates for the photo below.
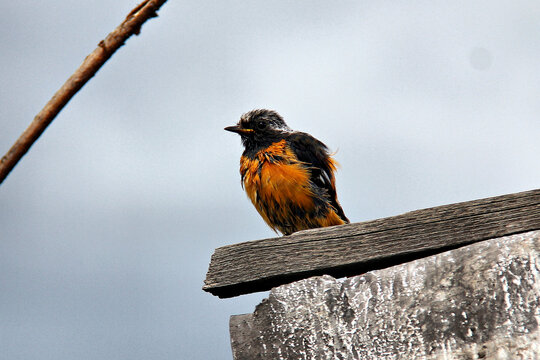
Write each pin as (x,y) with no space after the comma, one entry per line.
(238,129)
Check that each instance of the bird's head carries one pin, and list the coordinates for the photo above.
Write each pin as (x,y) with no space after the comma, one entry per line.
(260,126)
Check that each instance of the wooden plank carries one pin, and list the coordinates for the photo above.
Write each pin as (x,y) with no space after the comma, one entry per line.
(353,249)
(404,308)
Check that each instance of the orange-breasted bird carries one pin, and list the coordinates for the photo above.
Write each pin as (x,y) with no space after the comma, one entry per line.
(288,175)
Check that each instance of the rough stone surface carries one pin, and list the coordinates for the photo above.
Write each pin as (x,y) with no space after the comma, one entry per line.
(476,302)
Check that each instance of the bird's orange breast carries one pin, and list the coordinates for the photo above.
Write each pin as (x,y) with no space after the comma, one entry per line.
(279,186)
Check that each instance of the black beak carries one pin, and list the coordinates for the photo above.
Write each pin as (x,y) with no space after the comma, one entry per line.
(234,128)
(239,130)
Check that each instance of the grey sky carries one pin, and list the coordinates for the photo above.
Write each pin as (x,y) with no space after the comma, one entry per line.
(108,224)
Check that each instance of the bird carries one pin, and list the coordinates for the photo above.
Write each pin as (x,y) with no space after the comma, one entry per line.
(288,175)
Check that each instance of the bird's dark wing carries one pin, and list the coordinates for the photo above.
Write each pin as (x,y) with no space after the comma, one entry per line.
(315,154)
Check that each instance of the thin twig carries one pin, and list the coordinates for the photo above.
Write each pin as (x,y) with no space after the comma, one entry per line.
(93,62)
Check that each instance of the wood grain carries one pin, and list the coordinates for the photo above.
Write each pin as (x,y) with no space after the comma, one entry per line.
(353,249)
(475,302)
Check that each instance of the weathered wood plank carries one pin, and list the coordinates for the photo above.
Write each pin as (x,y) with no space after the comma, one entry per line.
(353,249)
(476,302)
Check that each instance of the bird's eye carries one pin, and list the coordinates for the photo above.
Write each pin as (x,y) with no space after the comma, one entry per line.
(261,125)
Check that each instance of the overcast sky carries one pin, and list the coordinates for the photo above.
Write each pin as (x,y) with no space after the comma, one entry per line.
(107,225)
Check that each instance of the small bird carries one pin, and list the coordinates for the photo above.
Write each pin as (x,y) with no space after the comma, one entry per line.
(288,175)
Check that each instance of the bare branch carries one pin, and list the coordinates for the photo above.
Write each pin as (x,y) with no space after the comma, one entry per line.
(93,62)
